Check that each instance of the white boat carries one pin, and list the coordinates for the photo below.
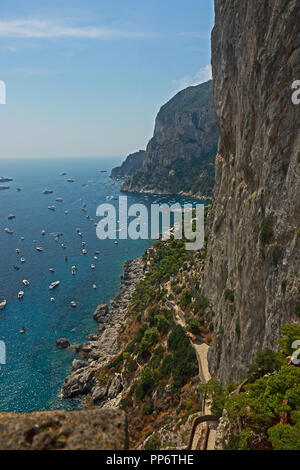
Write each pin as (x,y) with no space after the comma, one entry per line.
(66,212)
(52,208)
(43,232)
(52,299)
(22,260)
(84,252)
(25,282)
(17,250)
(59,199)
(47,191)
(22,238)
(20,294)
(73,304)
(9,230)
(94,286)
(52,270)
(39,248)
(54,284)
(93,266)
(3,304)
(11,216)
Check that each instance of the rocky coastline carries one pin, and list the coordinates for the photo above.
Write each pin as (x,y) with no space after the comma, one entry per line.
(85,379)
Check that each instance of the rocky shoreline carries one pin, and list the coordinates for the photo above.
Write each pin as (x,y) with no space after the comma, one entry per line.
(102,346)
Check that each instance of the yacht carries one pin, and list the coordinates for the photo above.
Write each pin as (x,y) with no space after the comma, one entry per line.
(84,252)
(9,230)
(73,304)
(11,216)
(66,212)
(94,286)
(21,294)
(17,250)
(70,180)
(25,282)
(52,270)
(39,248)
(22,238)
(54,284)
(47,191)
(52,299)
(93,266)
(59,199)
(52,208)
(3,304)
(22,260)
(43,232)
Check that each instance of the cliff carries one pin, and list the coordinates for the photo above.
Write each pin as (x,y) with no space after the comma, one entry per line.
(180,156)
(252,276)
(132,163)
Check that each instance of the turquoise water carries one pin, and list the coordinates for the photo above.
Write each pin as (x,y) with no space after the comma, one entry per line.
(35,369)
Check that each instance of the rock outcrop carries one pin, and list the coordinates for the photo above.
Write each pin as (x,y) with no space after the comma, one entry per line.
(252,276)
(85,378)
(90,429)
(180,156)
(132,163)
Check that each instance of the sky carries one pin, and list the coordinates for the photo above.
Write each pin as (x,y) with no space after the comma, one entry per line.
(87,77)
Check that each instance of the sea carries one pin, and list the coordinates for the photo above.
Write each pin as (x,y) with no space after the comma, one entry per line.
(35,369)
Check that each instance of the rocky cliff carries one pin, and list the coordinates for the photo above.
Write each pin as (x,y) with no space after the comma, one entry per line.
(252,276)
(181,154)
(132,163)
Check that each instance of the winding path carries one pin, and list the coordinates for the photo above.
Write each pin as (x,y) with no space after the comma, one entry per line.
(202,436)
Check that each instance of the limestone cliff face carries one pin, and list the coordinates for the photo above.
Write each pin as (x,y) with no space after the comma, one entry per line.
(252,276)
(132,163)
(180,156)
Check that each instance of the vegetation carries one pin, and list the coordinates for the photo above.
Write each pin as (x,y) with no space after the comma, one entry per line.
(266,230)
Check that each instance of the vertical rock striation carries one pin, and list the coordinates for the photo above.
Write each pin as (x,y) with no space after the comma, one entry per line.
(253,261)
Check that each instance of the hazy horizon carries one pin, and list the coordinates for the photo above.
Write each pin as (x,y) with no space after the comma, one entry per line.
(87,77)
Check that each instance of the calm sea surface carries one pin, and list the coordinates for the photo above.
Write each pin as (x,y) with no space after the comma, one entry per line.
(35,369)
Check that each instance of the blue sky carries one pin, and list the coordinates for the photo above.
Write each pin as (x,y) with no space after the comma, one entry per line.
(87,77)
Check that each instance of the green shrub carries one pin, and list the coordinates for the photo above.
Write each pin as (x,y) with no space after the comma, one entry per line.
(265,362)
(266,230)
(148,408)
(229,295)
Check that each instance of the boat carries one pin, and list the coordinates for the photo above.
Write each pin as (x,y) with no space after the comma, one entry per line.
(11,216)
(69,180)
(25,282)
(39,248)
(3,304)
(43,232)
(83,243)
(4,187)
(80,234)
(21,294)
(78,230)
(52,208)
(93,266)
(95,257)
(52,299)
(18,190)
(22,238)
(116,242)
(73,304)
(66,212)
(59,199)
(16,267)
(52,270)
(17,250)
(63,245)
(94,286)
(84,252)
(54,284)
(47,191)
(22,260)
(5,180)
(97,252)
(9,230)
(84,209)
(34,241)
(63,173)
(84,204)
(22,330)
(74,271)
